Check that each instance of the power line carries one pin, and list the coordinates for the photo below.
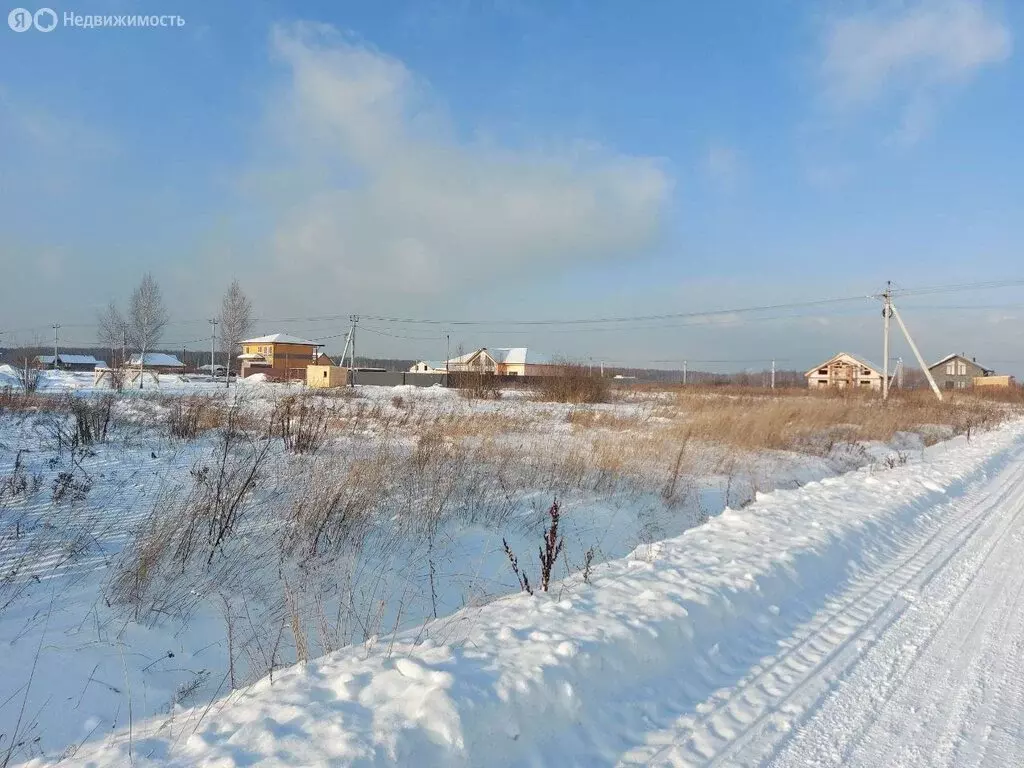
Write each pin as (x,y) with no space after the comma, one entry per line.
(622,319)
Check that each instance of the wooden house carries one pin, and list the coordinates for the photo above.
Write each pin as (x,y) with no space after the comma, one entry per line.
(845,371)
(279,356)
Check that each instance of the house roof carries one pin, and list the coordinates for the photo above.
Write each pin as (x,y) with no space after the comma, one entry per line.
(860,360)
(947,358)
(282,338)
(158,359)
(70,359)
(502,356)
(519,356)
(469,356)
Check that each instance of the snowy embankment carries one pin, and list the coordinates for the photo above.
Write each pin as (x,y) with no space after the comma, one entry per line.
(579,676)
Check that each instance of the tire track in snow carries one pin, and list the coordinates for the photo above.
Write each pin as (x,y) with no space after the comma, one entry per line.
(902,662)
(761,709)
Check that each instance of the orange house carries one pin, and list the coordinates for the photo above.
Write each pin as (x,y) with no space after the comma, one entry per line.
(278,355)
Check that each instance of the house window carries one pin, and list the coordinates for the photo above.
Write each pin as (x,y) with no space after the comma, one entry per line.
(961,385)
(823,371)
(950,368)
(961,368)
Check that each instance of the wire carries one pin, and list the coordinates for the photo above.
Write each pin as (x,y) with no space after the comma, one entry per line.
(622,319)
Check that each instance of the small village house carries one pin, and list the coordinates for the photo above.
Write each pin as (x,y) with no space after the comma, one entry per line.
(426,366)
(500,361)
(161,362)
(323,376)
(958,372)
(279,356)
(845,371)
(70,362)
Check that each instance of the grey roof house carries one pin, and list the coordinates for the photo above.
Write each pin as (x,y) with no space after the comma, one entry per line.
(957,372)
(70,362)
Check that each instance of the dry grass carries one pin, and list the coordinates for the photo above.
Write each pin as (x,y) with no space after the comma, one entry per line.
(573,383)
(814,422)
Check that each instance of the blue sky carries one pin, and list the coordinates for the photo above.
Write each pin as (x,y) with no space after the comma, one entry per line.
(523,160)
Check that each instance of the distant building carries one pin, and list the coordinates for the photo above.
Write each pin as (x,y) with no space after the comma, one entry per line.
(501,361)
(426,366)
(70,362)
(279,356)
(324,376)
(995,382)
(845,371)
(958,372)
(157,361)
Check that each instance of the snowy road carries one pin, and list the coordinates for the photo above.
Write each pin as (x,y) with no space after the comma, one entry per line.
(916,663)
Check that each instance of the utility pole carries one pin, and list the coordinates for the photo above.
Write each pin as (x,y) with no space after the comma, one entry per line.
(56,326)
(684,373)
(447,360)
(124,347)
(213,346)
(773,373)
(913,348)
(886,314)
(899,372)
(352,358)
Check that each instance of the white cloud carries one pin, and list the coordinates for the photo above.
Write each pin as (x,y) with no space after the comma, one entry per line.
(380,194)
(912,53)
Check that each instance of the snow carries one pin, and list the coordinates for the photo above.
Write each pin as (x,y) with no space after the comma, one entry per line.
(868,619)
(158,360)
(281,338)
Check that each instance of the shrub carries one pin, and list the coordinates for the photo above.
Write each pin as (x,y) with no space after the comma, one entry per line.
(301,421)
(476,385)
(572,383)
(187,417)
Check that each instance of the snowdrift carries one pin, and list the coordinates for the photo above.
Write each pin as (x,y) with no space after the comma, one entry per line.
(565,678)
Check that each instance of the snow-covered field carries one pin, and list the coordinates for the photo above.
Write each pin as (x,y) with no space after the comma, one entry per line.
(156,590)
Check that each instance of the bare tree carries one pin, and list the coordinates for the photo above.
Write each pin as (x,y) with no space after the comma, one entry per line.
(235,319)
(112,330)
(147,318)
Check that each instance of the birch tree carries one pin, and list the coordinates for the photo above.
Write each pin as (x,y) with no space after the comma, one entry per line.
(112,329)
(235,319)
(147,318)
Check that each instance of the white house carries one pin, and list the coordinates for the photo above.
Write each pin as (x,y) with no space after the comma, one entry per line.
(426,366)
(845,371)
(159,361)
(501,361)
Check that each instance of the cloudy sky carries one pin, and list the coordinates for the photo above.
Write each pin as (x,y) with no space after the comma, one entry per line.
(514,162)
